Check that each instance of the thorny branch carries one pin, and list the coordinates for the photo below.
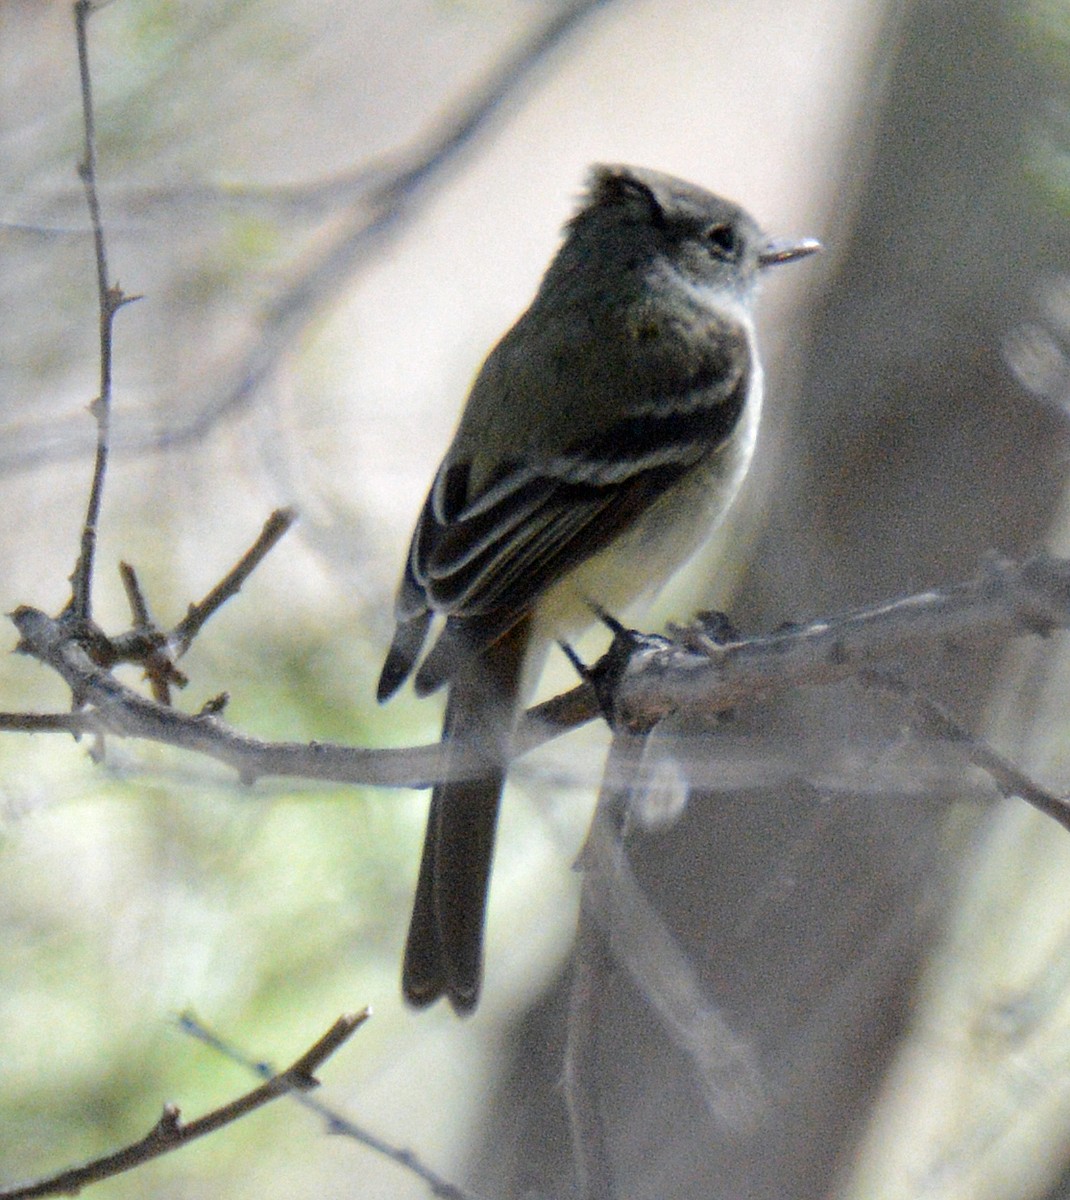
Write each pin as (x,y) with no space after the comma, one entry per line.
(1009,779)
(335,1121)
(170,1133)
(689,672)
(110,299)
(695,672)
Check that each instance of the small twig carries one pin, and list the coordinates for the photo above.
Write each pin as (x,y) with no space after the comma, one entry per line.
(336,1122)
(110,299)
(169,1133)
(153,653)
(1008,778)
(147,645)
(181,637)
(135,597)
(79,722)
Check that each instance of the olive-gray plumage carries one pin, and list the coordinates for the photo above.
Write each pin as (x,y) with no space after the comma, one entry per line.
(604,437)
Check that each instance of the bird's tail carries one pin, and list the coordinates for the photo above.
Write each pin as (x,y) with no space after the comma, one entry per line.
(444,951)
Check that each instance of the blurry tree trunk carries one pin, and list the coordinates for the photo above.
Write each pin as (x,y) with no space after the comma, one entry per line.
(910,452)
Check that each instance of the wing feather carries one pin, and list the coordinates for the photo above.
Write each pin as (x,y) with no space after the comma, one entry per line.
(482,556)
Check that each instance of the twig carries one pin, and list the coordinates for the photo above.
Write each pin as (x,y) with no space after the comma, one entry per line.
(169,1133)
(76,723)
(181,637)
(1004,774)
(110,299)
(123,712)
(148,645)
(151,642)
(336,1122)
(135,597)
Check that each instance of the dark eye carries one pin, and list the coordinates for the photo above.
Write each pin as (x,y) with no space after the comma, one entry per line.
(724,241)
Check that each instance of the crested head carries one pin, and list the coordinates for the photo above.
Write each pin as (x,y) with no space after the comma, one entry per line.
(662,230)
(657,197)
(652,222)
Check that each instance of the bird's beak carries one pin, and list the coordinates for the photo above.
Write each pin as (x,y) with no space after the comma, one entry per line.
(782,250)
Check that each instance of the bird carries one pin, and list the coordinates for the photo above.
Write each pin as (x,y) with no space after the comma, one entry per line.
(602,441)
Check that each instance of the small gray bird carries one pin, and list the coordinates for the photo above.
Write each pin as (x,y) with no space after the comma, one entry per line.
(603,440)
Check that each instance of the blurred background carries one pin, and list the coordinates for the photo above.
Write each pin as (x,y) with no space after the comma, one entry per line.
(331,213)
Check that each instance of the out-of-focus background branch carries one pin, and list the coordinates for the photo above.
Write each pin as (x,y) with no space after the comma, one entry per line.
(915,420)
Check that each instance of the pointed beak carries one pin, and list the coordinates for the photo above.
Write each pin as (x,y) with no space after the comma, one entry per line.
(783,250)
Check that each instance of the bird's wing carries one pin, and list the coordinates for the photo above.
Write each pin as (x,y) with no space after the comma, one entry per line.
(483,558)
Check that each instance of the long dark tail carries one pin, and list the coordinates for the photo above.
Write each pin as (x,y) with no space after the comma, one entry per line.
(444,951)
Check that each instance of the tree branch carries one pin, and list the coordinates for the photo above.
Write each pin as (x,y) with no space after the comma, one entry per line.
(694,673)
(169,1133)
(181,637)
(336,1123)
(110,299)
(689,672)
(935,719)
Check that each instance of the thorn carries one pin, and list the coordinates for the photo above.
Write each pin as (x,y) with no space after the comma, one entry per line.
(606,674)
(608,620)
(717,626)
(214,706)
(578,665)
(170,1121)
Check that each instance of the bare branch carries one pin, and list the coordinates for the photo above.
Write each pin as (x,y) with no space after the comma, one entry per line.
(181,637)
(935,719)
(694,673)
(147,645)
(169,1133)
(76,723)
(691,673)
(335,1121)
(110,299)
(121,711)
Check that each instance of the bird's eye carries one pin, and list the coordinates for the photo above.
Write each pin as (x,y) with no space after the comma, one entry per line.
(724,241)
